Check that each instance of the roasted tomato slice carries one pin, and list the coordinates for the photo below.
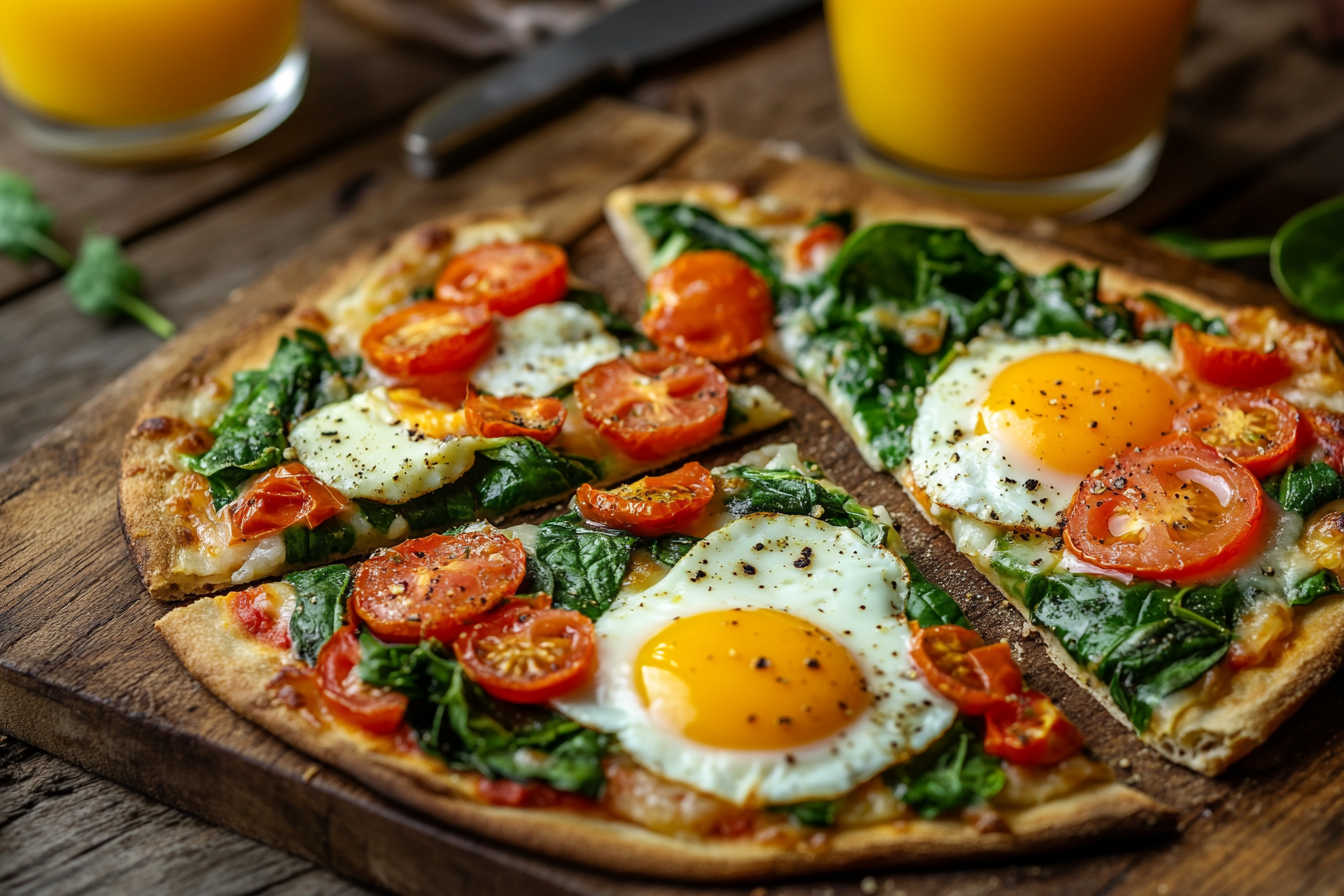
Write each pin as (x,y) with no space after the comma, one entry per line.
(652,404)
(956,662)
(509,277)
(428,339)
(711,304)
(1030,730)
(654,505)
(259,611)
(375,710)
(1221,361)
(1257,429)
(514,415)
(1172,510)
(283,497)
(524,653)
(818,247)
(430,587)
(1325,436)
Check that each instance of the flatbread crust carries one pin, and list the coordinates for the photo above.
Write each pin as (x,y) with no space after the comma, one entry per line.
(1207,736)
(236,668)
(148,476)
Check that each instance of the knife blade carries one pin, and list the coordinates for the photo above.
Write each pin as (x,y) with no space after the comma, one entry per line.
(513,96)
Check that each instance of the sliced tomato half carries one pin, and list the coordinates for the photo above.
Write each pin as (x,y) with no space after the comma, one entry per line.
(1325,436)
(523,653)
(652,404)
(711,304)
(1220,360)
(1257,429)
(428,339)
(514,415)
(958,665)
(430,587)
(654,505)
(1030,730)
(818,247)
(259,611)
(1172,510)
(282,497)
(376,710)
(509,277)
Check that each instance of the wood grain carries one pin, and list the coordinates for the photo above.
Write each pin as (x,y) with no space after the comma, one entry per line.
(82,675)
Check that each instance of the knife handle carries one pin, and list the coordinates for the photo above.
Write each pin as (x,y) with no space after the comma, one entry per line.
(500,104)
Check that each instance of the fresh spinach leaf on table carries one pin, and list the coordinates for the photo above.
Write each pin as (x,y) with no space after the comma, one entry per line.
(455,719)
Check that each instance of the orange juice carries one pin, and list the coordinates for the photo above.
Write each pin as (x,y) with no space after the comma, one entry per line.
(1006,89)
(119,63)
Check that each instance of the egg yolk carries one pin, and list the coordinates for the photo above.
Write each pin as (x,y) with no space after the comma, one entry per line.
(749,679)
(1071,410)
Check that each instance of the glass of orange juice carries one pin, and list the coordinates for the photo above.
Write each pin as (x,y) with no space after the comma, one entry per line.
(131,81)
(1027,106)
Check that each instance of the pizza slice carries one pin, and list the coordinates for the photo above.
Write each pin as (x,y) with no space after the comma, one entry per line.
(1153,480)
(459,374)
(702,675)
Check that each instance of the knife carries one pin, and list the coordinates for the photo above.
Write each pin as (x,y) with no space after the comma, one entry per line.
(512,97)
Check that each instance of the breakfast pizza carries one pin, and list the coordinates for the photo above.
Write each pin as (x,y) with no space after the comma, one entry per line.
(458,374)
(712,675)
(1153,480)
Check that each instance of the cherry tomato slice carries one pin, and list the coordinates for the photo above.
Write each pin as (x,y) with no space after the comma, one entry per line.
(654,505)
(428,338)
(509,277)
(1325,436)
(514,415)
(1221,361)
(1259,430)
(283,497)
(430,587)
(375,710)
(711,304)
(818,247)
(523,654)
(652,404)
(958,665)
(1172,510)
(1030,730)
(258,610)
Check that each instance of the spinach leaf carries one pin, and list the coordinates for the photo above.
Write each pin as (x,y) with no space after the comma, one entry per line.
(445,506)
(25,223)
(523,471)
(1307,260)
(319,610)
(616,325)
(102,281)
(928,604)
(1144,640)
(585,564)
(812,813)
(676,228)
(1319,584)
(453,718)
(250,434)
(332,538)
(1302,490)
(954,772)
(1066,301)
(1176,313)
(669,549)
(750,490)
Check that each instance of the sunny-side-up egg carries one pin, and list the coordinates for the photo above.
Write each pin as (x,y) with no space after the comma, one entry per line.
(769,666)
(1010,429)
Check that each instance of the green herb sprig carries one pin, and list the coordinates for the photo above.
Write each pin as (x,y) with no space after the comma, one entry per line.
(99,280)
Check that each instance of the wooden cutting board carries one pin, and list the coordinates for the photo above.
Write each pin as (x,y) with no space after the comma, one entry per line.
(83,674)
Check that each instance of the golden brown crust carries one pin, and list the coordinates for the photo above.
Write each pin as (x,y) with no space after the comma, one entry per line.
(1205,736)
(236,669)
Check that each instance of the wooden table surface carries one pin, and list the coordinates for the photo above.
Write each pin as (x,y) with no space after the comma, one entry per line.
(1257,132)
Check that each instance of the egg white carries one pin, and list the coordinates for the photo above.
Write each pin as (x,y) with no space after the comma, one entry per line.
(851,589)
(980,476)
(544,349)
